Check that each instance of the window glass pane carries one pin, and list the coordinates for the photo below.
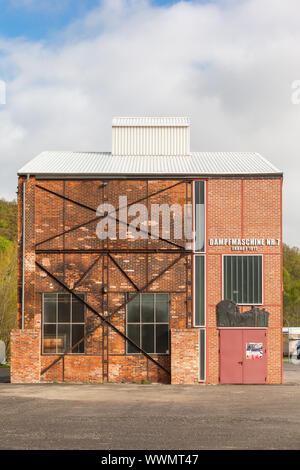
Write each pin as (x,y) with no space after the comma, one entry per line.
(61,333)
(255,279)
(148,338)
(162,307)
(133,332)
(64,308)
(245,298)
(199,291)
(49,341)
(77,334)
(77,309)
(162,339)
(147,308)
(133,310)
(199,216)
(63,338)
(259,280)
(250,283)
(202,354)
(228,278)
(50,308)
(149,331)
(234,278)
(243,279)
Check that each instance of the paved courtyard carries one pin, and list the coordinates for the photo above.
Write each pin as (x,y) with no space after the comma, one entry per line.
(66,416)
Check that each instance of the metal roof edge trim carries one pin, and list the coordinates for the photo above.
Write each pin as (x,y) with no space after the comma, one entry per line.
(148,175)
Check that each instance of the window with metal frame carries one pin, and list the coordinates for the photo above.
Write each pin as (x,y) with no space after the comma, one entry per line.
(242,277)
(199,212)
(63,323)
(199,290)
(201,355)
(148,323)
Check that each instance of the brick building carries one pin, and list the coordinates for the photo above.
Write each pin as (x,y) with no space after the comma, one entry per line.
(143,303)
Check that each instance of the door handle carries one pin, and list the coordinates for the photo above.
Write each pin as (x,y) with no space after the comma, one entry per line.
(240,362)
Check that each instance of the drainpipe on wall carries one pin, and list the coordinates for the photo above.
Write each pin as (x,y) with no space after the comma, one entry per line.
(23,247)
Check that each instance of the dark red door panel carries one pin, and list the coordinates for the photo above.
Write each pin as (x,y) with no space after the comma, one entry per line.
(243,357)
(231,357)
(255,357)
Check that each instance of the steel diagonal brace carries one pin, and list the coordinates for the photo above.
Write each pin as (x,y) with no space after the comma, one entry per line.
(133,295)
(108,215)
(87,271)
(123,272)
(103,319)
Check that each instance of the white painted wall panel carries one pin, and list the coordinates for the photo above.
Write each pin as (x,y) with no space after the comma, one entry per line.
(151,140)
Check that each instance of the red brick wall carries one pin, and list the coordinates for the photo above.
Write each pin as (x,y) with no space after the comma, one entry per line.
(245,208)
(184,356)
(49,215)
(25,354)
(236,208)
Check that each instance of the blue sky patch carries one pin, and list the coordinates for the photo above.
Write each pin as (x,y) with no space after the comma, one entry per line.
(39,19)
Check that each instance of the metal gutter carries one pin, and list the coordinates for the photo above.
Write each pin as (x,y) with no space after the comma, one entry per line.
(155,176)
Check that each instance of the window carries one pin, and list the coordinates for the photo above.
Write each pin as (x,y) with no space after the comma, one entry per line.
(202,355)
(63,323)
(243,279)
(148,323)
(199,204)
(199,295)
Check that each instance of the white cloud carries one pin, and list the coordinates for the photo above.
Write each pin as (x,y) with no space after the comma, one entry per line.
(229,66)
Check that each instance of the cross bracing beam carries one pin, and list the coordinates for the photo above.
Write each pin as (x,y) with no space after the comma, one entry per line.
(106,251)
(105,319)
(148,196)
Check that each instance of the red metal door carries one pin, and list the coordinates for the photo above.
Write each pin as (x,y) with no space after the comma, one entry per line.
(255,357)
(231,356)
(243,356)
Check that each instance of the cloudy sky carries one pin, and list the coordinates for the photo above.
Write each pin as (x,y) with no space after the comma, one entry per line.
(71,65)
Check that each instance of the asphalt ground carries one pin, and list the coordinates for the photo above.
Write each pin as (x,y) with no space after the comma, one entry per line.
(121,416)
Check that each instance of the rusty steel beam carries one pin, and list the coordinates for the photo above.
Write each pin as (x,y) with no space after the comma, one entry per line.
(104,321)
(106,251)
(65,232)
(170,266)
(123,272)
(87,271)
(108,317)
(108,215)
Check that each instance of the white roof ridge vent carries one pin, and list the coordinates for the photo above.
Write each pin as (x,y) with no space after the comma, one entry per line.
(151,121)
(149,136)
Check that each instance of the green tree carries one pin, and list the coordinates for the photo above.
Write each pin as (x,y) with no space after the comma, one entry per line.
(8,293)
(291,285)
(8,219)
(4,243)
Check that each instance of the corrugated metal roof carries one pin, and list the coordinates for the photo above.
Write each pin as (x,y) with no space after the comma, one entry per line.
(150,121)
(104,164)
